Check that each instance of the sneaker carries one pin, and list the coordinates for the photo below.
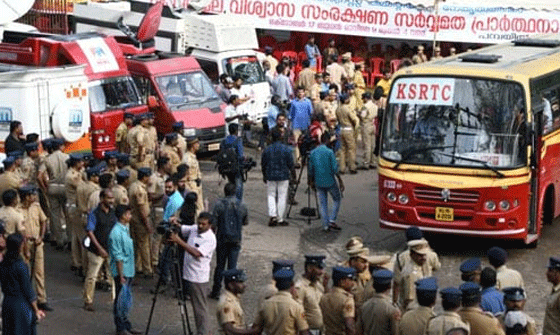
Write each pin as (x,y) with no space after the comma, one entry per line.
(273,222)
(45,307)
(283,223)
(334,226)
(89,307)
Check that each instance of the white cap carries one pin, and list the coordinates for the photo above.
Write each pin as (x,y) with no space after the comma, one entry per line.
(514,318)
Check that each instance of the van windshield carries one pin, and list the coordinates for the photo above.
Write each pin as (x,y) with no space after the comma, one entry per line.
(247,67)
(113,93)
(181,90)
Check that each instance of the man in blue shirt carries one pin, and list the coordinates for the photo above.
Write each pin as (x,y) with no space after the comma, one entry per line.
(312,52)
(322,176)
(232,140)
(300,116)
(492,300)
(121,252)
(281,85)
(277,164)
(174,201)
(273,111)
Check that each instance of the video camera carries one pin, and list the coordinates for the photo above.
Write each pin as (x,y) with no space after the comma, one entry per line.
(245,166)
(166,228)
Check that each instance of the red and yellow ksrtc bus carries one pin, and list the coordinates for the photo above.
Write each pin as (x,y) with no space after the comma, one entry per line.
(470,144)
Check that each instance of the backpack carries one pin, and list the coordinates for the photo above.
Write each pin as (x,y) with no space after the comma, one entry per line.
(229,230)
(227,160)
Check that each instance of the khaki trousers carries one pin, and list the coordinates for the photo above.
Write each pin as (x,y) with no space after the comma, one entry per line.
(37,269)
(95,263)
(368,136)
(297,134)
(348,150)
(58,220)
(77,234)
(142,248)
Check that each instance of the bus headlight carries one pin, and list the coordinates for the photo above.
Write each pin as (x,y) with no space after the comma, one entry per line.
(490,206)
(189,132)
(107,138)
(392,197)
(100,139)
(504,205)
(403,199)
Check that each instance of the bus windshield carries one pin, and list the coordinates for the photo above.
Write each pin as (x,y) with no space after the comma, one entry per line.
(185,89)
(248,67)
(460,122)
(113,93)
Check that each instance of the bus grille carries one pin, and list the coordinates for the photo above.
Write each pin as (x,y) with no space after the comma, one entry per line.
(436,194)
(210,134)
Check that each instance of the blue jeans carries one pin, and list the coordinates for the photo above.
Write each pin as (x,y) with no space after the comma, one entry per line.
(122,323)
(239,188)
(225,252)
(322,194)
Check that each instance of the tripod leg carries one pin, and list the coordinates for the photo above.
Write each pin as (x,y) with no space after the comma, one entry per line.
(292,196)
(160,281)
(180,294)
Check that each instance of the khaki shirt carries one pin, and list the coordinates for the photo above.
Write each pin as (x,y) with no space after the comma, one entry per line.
(444,322)
(182,145)
(72,181)
(309,295)
(346,118)
(551,324)
(281,315)
(156,188)
(121,195)
(13,220)
(408,277)
(337,72)
(359,82)
(138,195)
(30,170)
(378,316)
(171,153)
(363,290)
(194,168)
(350,69)
(306,78)
(353,104)
(336,306)
(133,174)
(56,167)
(414,321)
(402,259)
(482,323)
(121,137)
(329,108)
(9,180)
(228,310)
(315,93)
(93,200)
(506,277)
(34,218)
(153,139)
(131,139)
(369,113)
(83,192)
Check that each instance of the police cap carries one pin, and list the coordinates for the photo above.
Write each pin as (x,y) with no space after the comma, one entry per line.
(111,154)
(284,278)
(124,173)
(282,264)
(93,171)
(123,158)
(170,137)
(451,294)
(514,294)
(413,233)
(470,265)
(235,275)
(33,146)
(177,126)
(497,255)
(128,115)
(144,172)
(27,189)
(470,289)
(428,284)
(47,143)
(317,260)
(382,277)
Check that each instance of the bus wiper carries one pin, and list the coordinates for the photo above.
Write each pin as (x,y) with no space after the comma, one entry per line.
(486,165)
(408,154)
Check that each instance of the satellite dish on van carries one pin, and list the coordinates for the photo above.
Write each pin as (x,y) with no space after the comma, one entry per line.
(12,10)
(199,5)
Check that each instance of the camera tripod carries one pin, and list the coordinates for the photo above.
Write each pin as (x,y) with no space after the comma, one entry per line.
(310,213)
(170,253)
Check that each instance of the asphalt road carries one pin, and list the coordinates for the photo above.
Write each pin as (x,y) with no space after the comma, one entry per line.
(262,244)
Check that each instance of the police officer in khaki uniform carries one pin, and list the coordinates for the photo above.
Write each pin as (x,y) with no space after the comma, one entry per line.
(56,169)
(30,165)
(9,179)
(35,222)
(111,160)
(131,136)
(152,133)
(412,272)
(359,259)
(367,117)
(514,299)
(337,305)
(348,65)
(551,324)
(281,314)
(330,104)
(194,176)
(379,315)
(120,190)
(178,128)
(123,163)
(414,321)
(229,312)
(141,227)
(122,132)
(156,192)
(481,323)
(9,213)
(140,147)
(471,270)
(171,151)
(349,122)
(505,277)
(310,289)
(448,319)
(74,177)
(277,265)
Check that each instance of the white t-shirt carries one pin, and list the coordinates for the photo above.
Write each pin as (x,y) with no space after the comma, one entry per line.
(197,270)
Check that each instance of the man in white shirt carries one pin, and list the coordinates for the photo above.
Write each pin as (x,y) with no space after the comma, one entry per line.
(199,248)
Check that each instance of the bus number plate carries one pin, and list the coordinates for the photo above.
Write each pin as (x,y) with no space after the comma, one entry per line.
(444,214)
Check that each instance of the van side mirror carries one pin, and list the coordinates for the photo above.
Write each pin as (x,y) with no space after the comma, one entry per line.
(152,102)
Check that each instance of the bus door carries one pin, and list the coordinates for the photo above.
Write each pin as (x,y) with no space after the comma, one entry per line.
(536,144)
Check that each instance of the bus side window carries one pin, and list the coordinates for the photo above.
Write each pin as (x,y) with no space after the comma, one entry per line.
(211,70)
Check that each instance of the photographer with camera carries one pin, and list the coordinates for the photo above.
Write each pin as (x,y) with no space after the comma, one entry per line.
(230,215)
(230,159)
(199,248)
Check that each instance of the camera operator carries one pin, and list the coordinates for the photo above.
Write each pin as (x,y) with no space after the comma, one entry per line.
(199,248)
(235,174)
(229,215)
